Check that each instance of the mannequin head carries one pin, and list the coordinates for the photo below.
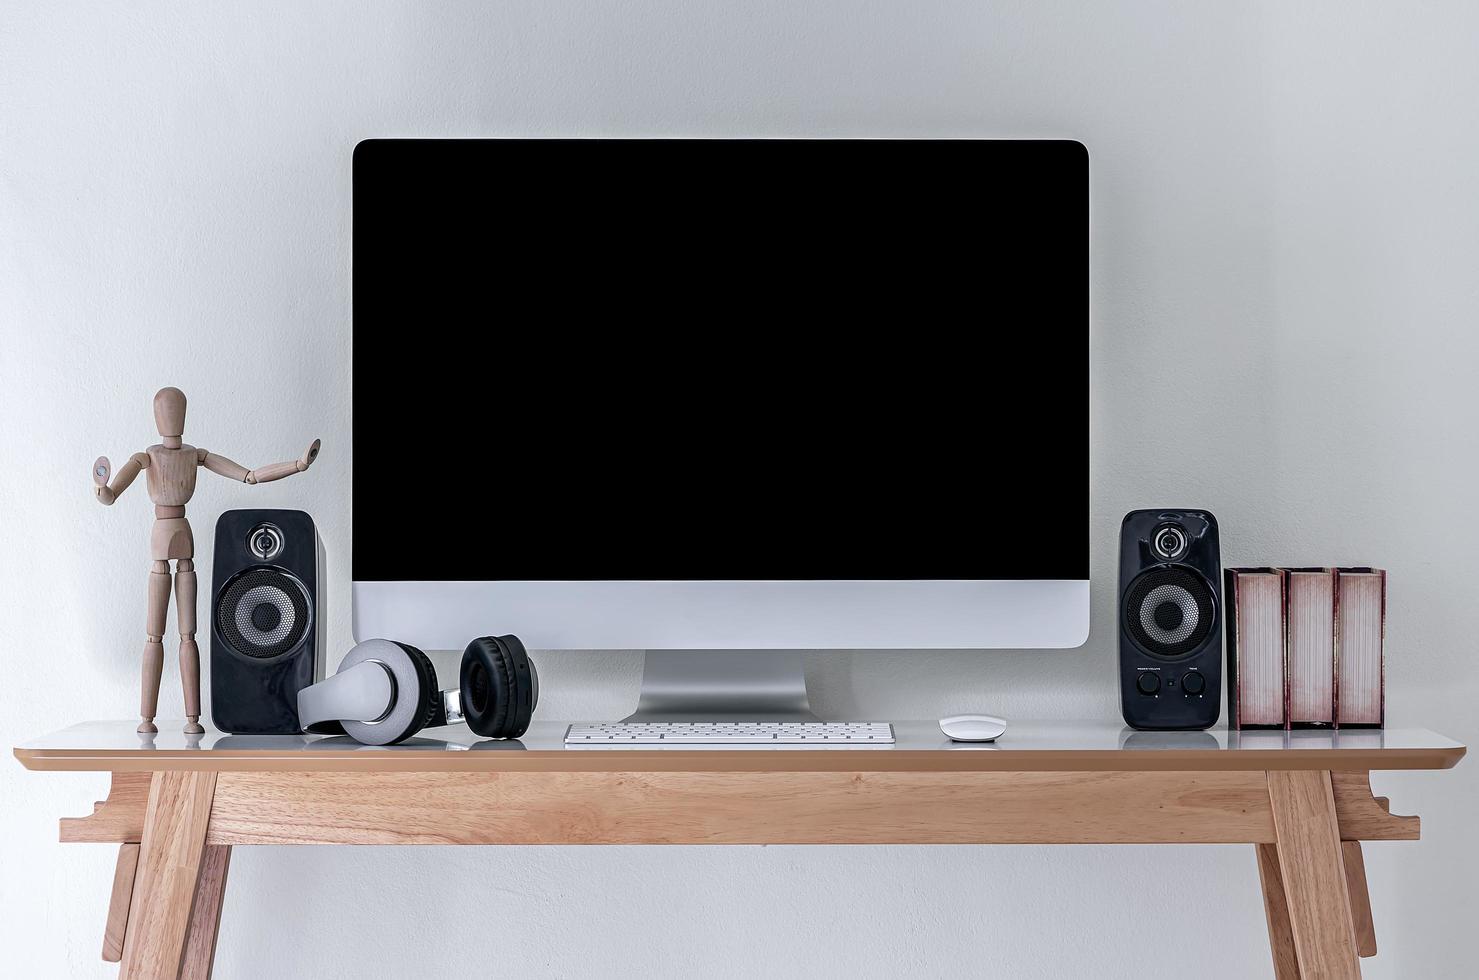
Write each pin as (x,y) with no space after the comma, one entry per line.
(169,415)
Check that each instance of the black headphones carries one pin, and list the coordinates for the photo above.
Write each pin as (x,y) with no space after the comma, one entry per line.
(385,691)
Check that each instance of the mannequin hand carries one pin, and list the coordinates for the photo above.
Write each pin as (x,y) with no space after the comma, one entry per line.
(309,455)
(101,470)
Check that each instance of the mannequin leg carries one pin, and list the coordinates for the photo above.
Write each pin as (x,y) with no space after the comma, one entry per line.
(154,644)
(189,652)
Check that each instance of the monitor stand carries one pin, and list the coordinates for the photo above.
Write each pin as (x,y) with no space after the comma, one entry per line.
(723,685)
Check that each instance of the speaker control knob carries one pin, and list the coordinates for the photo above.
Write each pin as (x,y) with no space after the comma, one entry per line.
(1148,682)
(1193,682)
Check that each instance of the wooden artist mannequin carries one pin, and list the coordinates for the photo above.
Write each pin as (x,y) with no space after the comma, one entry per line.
(171,467)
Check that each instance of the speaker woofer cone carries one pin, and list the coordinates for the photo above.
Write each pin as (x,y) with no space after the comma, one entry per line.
(1168,611)
(263,613)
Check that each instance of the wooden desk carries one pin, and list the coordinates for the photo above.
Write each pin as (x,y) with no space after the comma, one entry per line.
(178,804)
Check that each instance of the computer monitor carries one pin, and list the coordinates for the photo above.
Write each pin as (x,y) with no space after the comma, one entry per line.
(721,394)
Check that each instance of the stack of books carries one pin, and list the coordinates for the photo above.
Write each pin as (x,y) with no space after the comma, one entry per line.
(1304,647)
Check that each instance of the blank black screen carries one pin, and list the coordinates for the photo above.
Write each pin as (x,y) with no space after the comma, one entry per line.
(716,359)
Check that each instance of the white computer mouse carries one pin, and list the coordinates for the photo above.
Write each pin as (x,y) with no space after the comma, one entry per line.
(973,728)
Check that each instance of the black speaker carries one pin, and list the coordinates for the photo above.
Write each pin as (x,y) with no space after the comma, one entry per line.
(1170,614)
(266,619)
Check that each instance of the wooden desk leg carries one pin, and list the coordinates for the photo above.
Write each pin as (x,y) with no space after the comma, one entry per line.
(170,860)
(1276,909)
(1314,874)
(118,902)
(1355,879)
(205,917)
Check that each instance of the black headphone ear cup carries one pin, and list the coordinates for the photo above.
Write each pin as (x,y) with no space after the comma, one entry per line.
(525,686)
(427,675)
(497,690)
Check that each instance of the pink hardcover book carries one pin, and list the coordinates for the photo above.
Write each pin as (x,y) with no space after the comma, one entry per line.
(1360,661)
(1310,615)
(1257,668)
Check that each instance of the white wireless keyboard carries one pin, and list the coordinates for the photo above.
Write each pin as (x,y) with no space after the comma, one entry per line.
(729,733)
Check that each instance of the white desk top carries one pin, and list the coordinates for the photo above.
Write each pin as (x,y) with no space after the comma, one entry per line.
(919,746)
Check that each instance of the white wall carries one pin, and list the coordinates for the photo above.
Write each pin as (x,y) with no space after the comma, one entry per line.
(1286,231)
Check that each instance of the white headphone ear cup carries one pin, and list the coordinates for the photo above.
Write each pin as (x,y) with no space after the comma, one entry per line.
(408,710)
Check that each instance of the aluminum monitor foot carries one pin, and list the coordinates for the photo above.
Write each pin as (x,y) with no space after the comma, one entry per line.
(723,685)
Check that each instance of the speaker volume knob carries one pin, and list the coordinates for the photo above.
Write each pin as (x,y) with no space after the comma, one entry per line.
(1148,683)
(1193,682)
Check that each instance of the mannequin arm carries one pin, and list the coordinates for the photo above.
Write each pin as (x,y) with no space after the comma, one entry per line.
(222,466)
(265,474)
(127,473)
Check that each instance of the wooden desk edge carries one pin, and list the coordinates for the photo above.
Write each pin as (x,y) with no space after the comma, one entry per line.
(668,760)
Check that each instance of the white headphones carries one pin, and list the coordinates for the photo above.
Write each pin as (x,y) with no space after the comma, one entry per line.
(385,691)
